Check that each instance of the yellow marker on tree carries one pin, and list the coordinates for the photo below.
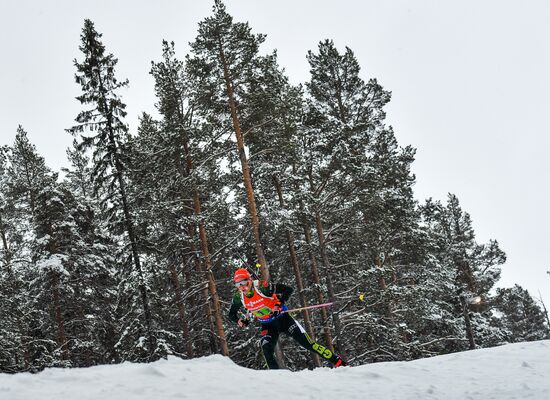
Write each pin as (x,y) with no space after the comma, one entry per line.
(362,297)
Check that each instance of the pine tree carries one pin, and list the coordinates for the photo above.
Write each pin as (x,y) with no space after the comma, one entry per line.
(50,258)
(223,57)
(522,317)
(353,165)
(127,258)
(25,176)
(28,172)
(6,254)
(475,268)
(276,109)
(179,138)
(10,336)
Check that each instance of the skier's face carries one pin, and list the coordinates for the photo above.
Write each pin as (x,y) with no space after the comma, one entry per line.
(244,286)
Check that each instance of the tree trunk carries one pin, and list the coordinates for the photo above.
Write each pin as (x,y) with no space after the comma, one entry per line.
(206,258)
(209,317)
(210,276)
(381,279)
(7,253)
(317,280)
(297,271)
(129,226)
(467,275)
(24,344)
(330,286)
(467,323)
(264,272)
(184,165)
(128,222)
(383,285)
(545,313)
(80,330)
(181,309)
(60,322)
(187,272)
(327,335)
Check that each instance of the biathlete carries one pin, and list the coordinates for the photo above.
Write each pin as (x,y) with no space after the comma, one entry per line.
(266,302)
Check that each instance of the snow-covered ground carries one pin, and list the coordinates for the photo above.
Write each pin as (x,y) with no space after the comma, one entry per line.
(517,371)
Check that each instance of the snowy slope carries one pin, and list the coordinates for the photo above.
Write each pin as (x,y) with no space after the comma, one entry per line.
(518,371)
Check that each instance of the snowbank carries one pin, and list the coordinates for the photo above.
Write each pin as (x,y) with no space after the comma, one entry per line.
(517,371)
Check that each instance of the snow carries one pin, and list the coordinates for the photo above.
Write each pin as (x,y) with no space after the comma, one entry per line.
(54,262)
(516,371)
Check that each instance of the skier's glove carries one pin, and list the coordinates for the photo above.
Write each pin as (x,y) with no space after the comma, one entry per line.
(277,310)
(243,322)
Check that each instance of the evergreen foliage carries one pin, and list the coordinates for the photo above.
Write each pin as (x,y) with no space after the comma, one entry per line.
(108,142)
(129,255)
(522,318)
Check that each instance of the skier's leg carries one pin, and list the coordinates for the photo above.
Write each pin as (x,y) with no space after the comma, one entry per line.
(268,343)
(298,333)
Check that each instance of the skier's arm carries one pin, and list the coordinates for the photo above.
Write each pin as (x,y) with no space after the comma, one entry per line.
(236,305)
(282,291)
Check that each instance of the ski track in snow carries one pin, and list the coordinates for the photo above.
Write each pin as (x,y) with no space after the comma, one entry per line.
(512,372)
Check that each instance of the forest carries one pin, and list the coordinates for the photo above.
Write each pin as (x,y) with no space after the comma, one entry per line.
(128,254)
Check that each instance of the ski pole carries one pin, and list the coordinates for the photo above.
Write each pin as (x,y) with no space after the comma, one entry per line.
(361,298)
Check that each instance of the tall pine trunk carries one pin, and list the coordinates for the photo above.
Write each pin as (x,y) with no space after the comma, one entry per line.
(181,309)
(210,277)
(317,281)
(59,320)
(297,271)
(381,279)
(212,287)
(199,268)
(315,273)
(328,266)
(264,272)
(13,290)
(79,303)
(184,166)
(7,253)
(330,286)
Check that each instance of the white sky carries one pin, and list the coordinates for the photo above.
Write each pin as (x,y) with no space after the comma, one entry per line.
(470,83)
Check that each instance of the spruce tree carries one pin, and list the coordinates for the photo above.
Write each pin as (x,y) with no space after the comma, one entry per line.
(92,283)
(108,136)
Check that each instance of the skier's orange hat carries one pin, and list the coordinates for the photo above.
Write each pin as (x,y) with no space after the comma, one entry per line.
(241,274)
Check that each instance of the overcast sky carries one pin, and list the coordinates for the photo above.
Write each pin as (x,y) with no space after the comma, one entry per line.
(470,83)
